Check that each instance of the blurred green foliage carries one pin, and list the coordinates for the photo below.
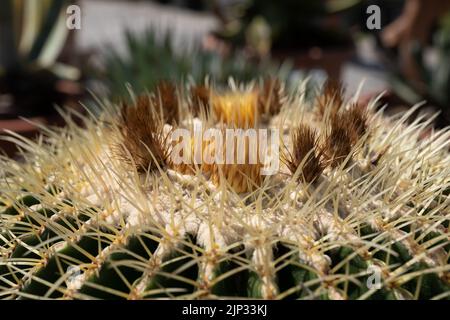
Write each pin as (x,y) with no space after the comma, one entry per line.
(148,60)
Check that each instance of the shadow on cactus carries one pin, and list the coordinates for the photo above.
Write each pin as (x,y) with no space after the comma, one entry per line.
(103,212)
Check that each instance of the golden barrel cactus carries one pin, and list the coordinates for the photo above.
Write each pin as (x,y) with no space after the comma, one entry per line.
(358,208)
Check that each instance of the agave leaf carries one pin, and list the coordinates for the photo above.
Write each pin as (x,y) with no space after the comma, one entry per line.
(65,71)
(404,90)
(52,35)
(340,5)
(31,20)
(55,43)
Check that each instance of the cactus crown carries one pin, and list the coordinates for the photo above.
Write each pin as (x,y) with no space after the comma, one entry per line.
(102,211)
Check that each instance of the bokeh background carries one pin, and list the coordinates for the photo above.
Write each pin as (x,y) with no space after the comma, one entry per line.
(125,45)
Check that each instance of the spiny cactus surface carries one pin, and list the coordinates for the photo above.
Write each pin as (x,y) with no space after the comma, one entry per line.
(358,208)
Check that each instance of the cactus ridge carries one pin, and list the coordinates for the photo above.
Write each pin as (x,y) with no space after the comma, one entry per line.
(100,211)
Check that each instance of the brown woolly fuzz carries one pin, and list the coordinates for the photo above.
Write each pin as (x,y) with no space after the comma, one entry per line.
(306,153)
(339,141)
(331,99)
(166,101)
(143,136)
(245,177)
(356,120)
(200,100)
(270,96)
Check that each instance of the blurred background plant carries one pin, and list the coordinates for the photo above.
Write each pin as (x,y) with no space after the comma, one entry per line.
(284,24)
(422,73)
(306,32)
(414,49)
(149,60)
(32,76)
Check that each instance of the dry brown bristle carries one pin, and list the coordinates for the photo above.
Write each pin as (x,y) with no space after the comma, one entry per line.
(200,96)
(331,99)
(143,136)
(356,120)
(338,143)
(305,152)
(270,97)
(166,101)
